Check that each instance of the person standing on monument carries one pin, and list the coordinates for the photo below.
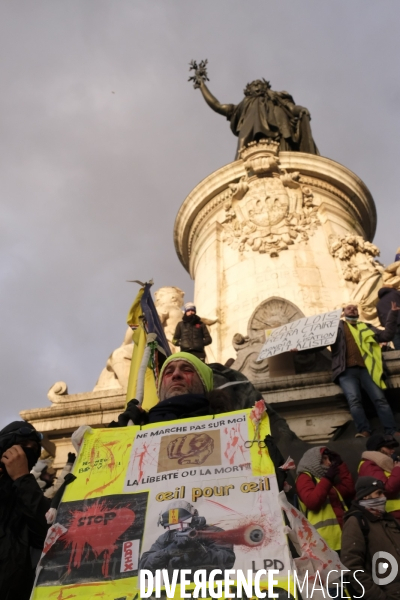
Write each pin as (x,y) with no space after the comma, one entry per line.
(387,296)
(323,485)
(357,365)
(191,334)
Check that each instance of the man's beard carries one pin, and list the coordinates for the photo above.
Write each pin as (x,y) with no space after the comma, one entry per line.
(181,388)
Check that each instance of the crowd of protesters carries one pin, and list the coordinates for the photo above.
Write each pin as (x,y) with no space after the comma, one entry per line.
(356,519)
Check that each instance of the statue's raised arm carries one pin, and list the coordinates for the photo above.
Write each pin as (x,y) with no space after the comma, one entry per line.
(262,113)
(199,78)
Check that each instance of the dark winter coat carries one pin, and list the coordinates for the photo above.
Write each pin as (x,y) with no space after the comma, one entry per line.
(382,534)
(191,335)
(339,347)
(314,495)
(22,527)
(386,297)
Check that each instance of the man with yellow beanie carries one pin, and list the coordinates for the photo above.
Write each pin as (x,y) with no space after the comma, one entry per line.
(185,390)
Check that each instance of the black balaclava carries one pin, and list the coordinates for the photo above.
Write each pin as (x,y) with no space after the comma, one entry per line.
(10,436)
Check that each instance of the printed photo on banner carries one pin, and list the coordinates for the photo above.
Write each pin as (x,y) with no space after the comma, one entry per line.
(181,451)
(225,523)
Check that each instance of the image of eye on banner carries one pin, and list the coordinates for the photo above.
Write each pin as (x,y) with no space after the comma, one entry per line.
(193,495)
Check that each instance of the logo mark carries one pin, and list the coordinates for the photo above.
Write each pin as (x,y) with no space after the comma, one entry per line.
(380,566)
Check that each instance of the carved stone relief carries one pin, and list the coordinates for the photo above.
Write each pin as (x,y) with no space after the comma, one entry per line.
(366,292)
(115,374)
(357,256)
(359,266)
(268,209)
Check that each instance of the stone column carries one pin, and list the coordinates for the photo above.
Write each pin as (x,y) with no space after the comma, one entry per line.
(288,226)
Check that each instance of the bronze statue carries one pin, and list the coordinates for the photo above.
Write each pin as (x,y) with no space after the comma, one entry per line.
(262,113)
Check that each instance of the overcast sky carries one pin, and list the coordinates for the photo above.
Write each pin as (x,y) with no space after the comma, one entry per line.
(102,138)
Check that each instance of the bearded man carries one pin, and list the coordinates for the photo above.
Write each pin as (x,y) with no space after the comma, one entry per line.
(185,390)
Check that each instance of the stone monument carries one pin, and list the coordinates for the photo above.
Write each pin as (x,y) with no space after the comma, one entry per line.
(278,234)
(274,226)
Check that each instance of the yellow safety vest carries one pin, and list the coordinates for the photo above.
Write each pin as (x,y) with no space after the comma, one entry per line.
(391,505)
(325,520)
(370,351)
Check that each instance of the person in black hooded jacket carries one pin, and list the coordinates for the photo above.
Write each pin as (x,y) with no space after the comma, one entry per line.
(386,296)
(191,334)
(23,507)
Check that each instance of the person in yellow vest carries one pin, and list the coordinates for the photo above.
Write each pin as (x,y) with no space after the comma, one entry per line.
(324,486)
(357,365)
(382,462)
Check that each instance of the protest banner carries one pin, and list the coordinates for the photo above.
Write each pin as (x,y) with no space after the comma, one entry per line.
(190,494)
(303,334)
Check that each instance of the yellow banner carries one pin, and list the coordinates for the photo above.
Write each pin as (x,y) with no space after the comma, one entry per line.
(194,494)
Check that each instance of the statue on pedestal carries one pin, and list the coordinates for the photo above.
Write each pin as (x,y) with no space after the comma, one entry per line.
(263,113)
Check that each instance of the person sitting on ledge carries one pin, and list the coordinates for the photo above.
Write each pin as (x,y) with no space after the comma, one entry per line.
(185,390)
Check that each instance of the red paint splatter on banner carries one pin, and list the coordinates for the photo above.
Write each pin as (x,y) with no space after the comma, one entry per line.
(246,535)
(235,444)
(141,456)
(98,527)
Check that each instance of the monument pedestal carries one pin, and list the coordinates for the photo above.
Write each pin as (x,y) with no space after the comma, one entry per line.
(273,237)
(268,239)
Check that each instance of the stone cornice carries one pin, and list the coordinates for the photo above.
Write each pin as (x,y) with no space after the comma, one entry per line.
(76,409)
(315,171)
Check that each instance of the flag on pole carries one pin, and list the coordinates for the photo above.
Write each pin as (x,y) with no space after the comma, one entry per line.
(149,343)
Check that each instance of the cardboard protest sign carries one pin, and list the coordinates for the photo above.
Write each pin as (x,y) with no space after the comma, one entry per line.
(303,334)
(191,494)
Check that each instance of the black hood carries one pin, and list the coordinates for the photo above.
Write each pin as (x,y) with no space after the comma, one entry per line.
(9,435)
(383,291)
(14,426)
